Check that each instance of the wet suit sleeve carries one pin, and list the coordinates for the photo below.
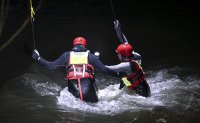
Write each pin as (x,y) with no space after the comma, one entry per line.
(93,60)
(122,67)
(60,62)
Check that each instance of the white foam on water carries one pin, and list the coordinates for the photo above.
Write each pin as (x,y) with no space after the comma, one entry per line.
(111,101)
(175,92)
(42,88)
(115,101)
(166,90)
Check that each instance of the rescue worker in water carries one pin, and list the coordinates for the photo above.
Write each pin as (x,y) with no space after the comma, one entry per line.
(129,69)
(79,65)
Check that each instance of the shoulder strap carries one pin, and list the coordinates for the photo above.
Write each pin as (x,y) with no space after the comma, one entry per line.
(133,66)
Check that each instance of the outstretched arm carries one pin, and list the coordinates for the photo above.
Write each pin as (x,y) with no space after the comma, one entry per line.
(100,66)
(120,35)
(60,62)
(122,67)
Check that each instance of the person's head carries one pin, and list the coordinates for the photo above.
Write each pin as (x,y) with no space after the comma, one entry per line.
(79,41)
(79,44)
(124,51)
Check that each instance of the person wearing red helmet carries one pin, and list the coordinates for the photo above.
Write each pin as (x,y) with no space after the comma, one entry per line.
(79,65)
(130,67)
(79,40)
(131,71)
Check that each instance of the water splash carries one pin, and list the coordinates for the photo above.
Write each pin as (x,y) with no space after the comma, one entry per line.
(175,94)
(41,86)
(165,87)
(111,101)
(176,91)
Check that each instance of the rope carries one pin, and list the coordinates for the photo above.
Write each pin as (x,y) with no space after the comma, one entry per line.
(32,22)
(113,10)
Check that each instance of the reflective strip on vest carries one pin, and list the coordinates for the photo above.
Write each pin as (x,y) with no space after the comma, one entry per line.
(78,58)
(126,82)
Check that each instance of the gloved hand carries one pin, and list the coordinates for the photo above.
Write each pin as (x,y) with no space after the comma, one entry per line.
(121,85)
(137,57)
(35,55)
(116,24)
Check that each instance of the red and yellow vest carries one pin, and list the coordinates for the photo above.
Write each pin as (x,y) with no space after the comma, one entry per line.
(136,77)
(78,66)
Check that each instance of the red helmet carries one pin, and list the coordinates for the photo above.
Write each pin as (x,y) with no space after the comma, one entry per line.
(80,40)
(125,49)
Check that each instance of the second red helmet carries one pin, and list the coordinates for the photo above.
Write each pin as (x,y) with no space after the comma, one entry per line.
(79,40)
(125,49)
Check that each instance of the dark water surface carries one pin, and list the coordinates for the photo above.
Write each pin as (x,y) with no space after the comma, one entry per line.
(34,97)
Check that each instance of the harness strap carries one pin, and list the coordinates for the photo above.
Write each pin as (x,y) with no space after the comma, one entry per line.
(83,74)
(134,75)
(74,70)
(137,82)
(80,89)
(137,76)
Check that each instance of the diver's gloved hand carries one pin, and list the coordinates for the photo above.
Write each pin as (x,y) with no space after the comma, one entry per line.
(116,24)
(137,57)
(35,55)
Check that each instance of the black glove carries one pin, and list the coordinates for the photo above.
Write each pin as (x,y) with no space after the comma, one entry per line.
(121,85)
(137,57)
(121,75)
(36,55)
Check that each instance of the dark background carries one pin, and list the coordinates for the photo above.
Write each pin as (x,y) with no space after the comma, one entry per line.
(165,33)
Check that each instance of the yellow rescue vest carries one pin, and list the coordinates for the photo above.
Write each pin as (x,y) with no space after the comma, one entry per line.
(78,63)
(78,58)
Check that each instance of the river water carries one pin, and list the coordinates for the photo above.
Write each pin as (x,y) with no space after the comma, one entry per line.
(36,98)
(40,96)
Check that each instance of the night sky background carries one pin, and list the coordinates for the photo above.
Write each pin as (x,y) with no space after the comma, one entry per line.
(165,33)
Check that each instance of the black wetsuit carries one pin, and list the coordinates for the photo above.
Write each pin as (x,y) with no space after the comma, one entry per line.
(88,85)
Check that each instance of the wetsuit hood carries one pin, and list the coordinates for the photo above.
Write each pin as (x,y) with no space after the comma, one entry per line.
(79,48)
